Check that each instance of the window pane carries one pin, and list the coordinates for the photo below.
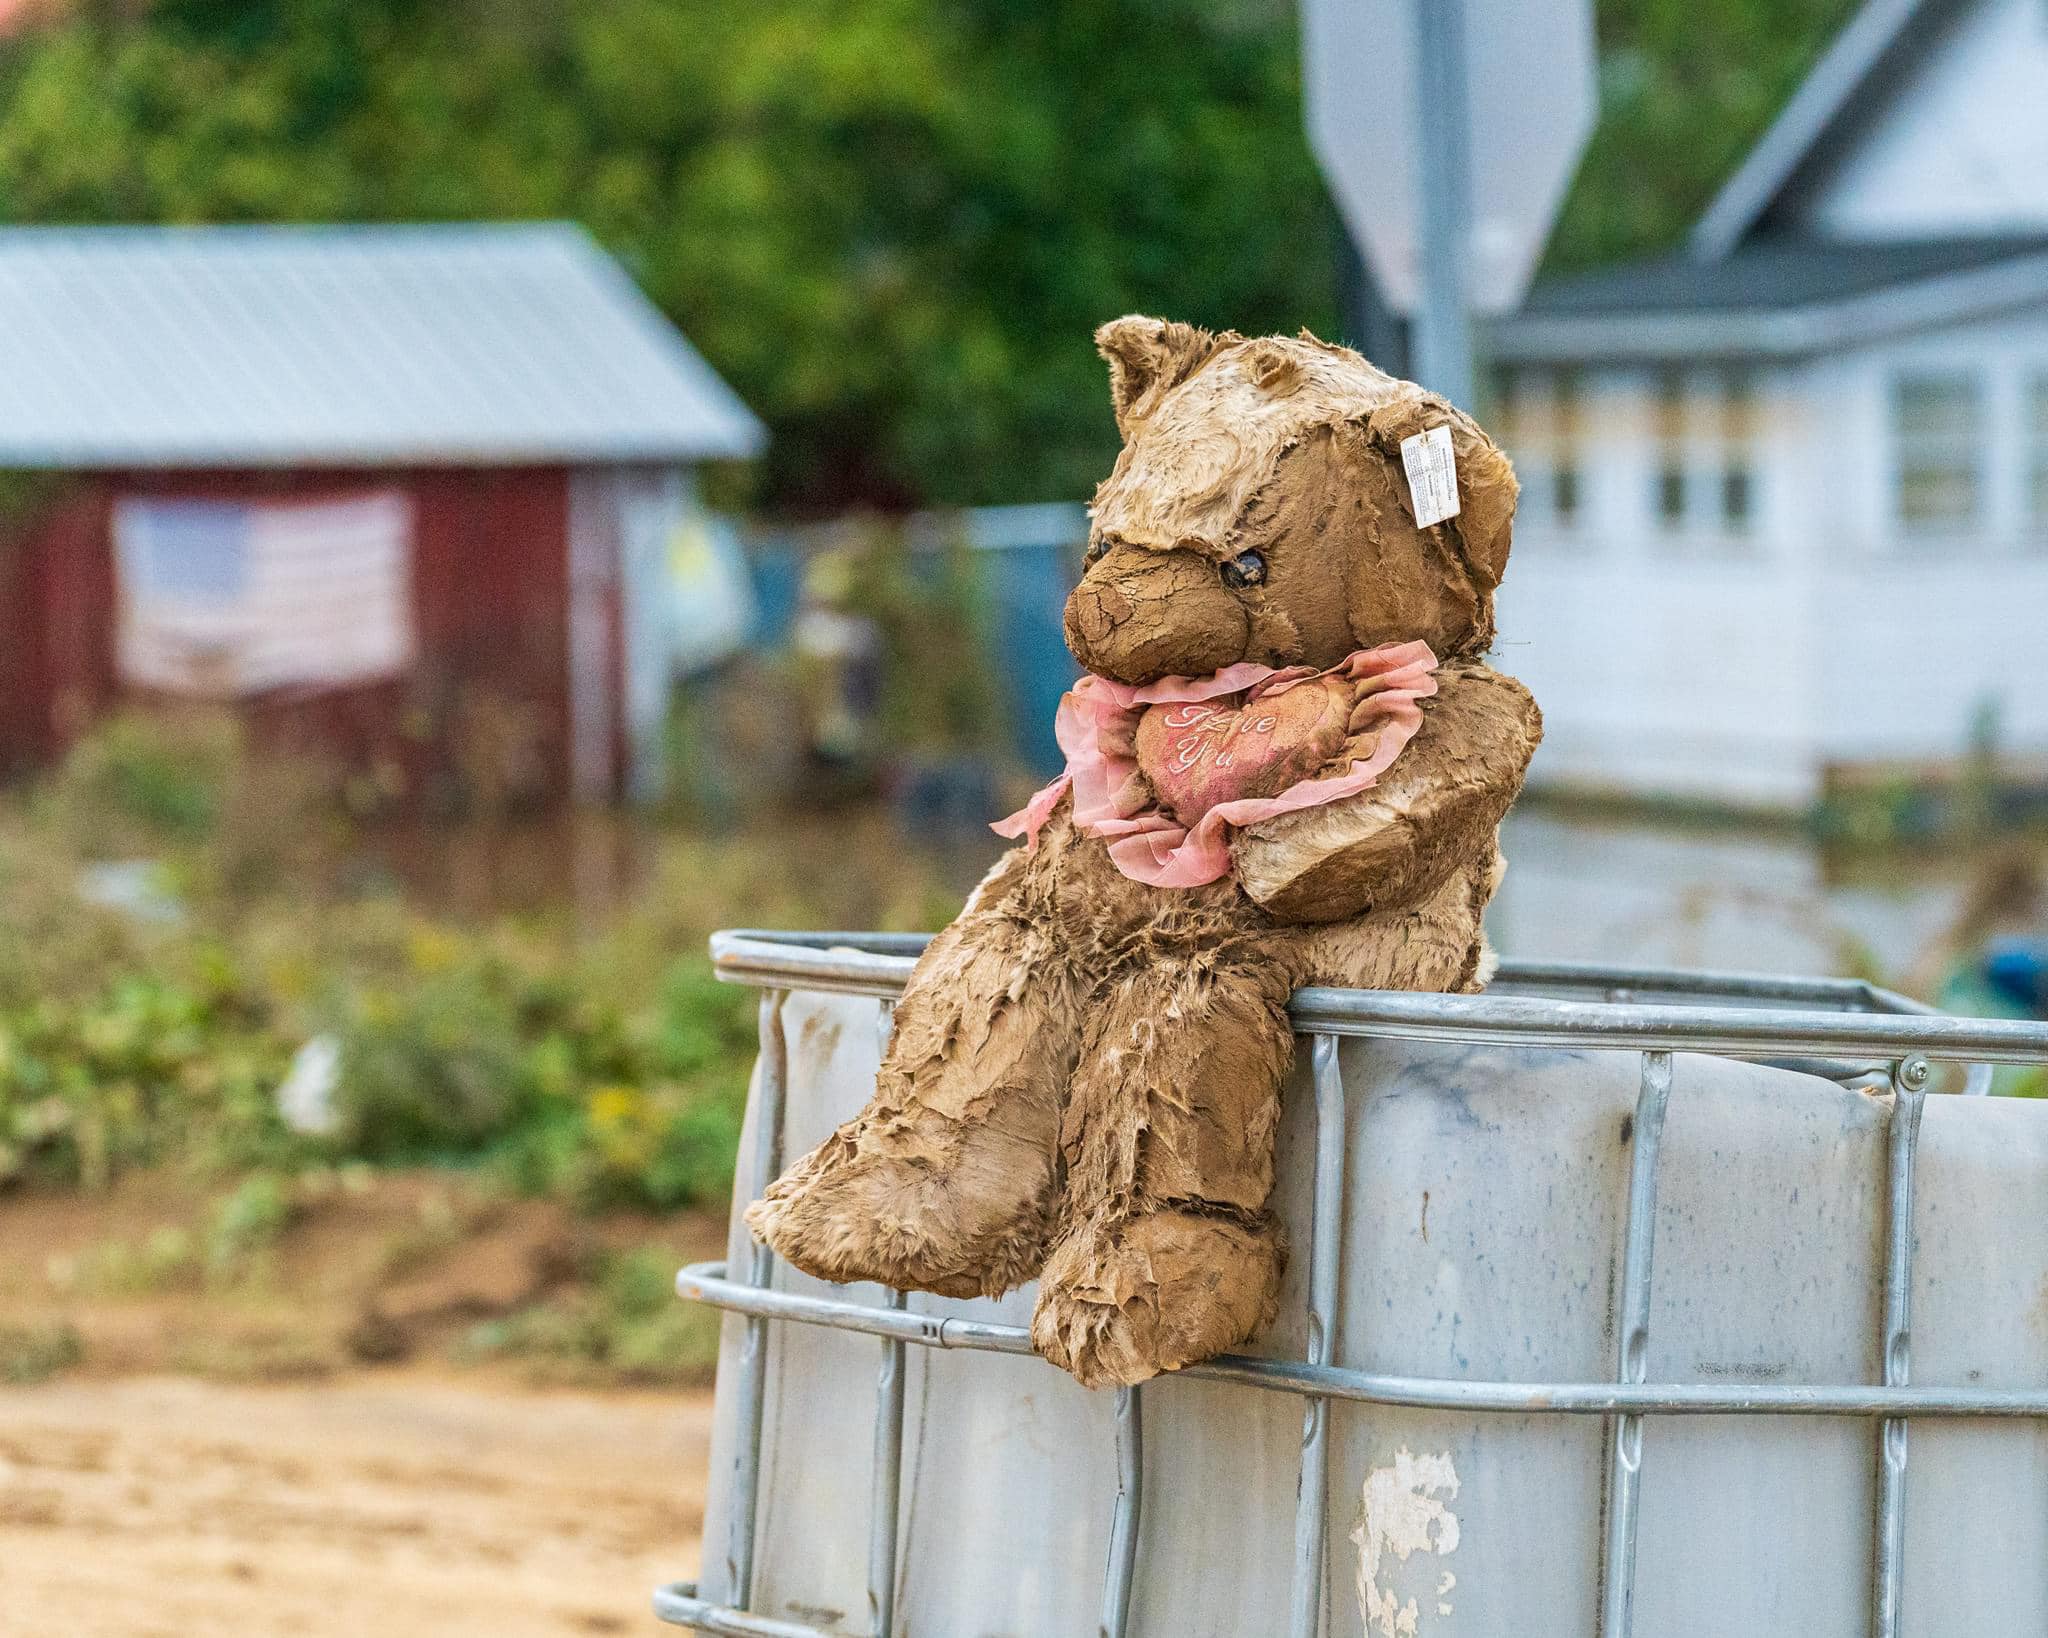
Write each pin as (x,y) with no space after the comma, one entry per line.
(1936,439)
(1568,392)
(1736,497)
(1738,433)
(1669,411)
(1564,493)
(2037,445)
(1671,493)
(1935,406)
(1504,389)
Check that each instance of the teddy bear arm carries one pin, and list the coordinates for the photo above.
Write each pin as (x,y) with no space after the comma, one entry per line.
(1390,847)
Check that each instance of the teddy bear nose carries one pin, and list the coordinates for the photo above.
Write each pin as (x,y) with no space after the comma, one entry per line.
(1099,610)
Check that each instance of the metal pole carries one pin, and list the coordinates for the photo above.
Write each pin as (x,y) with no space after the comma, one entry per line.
(1889,1560)
(1326,1249)
(1442,329)
(1625,1441)
(888,1473)
(771,1094)
(1120,1575)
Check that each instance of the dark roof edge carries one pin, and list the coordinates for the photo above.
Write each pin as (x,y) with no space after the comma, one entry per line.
(1818,327)
(1866,43)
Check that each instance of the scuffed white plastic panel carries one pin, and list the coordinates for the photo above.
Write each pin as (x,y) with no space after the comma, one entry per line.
(1485,1205)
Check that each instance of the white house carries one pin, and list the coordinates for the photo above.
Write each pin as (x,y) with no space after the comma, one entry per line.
(1785,495)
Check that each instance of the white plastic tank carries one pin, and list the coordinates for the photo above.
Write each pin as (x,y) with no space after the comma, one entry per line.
(1484,1210)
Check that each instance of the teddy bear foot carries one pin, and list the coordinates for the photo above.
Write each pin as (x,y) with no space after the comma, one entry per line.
(964,1231)
(1122,1300)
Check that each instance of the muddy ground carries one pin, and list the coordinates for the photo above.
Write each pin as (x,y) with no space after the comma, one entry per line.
(314,1447)
(398,1505)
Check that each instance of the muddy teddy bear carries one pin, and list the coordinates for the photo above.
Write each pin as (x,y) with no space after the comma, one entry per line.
(1287,765)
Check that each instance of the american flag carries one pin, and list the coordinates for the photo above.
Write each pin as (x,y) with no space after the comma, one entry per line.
(226,598)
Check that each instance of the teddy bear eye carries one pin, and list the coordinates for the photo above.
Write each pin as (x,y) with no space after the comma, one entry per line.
(1097,550)
(1245,569)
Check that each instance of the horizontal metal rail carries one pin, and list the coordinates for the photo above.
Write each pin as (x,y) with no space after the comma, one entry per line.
(1605,979)
(679,1605)
(706,1283)
(1506,1020)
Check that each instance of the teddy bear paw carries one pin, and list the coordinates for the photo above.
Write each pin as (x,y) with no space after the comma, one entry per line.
(846,1215)
(1122,1300)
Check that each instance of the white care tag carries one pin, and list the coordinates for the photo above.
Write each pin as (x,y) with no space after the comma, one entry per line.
(1432,475)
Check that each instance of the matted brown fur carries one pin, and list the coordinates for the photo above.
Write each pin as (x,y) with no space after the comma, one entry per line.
(1083,1084)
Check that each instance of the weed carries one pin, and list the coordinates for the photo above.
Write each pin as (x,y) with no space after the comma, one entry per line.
(628,1327)
(36,1352)
(247,1224)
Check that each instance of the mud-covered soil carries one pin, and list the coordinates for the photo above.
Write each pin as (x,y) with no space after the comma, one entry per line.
(313,1445)
(403,1267)
(397,1505)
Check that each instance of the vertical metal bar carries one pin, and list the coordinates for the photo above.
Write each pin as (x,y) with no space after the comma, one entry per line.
(888,1469)
(1625,1450)
(1888,1560)
(1326,1246)
(888,1486)
(752,1388)
(1122,1571)
(1442,339)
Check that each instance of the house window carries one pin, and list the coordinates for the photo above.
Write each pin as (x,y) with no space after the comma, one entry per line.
(1670,425)
(1738,445)
(1567,419)
(2037,452)
(1937,443)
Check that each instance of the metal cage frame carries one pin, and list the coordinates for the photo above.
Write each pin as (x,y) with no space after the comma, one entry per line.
(1846,1030)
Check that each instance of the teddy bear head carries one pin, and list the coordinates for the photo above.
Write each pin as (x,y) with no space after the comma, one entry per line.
(1260,511)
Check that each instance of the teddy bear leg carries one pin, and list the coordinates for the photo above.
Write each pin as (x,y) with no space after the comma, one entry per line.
(1170,1255)
(945,1181)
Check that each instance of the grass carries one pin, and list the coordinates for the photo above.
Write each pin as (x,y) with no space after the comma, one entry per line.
(34,1353)
(580,1054)
(625,1326)
(497,1023)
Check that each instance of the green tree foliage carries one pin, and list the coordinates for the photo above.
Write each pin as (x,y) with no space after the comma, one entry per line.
(889,224)
(1686,86)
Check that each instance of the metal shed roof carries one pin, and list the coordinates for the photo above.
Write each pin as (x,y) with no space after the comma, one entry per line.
(343,346)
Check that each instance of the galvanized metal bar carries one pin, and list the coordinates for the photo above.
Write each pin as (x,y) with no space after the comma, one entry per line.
(1326,1249)
(888,1469)
(1441,327)
(1506,1019)
(1889,1558)
(679,1605)
(1121,1572)
(705,1282)
(1734,1031)
(751,1389)
(888,1484)
(742,945)
(1625,1447)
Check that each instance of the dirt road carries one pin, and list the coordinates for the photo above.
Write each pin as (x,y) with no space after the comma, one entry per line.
(393,1506)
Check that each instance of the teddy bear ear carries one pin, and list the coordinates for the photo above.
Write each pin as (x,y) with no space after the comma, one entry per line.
(1487,490)
(1146,357)
(1447,573)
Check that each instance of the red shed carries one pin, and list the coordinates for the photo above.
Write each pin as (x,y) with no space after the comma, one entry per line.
(409,493)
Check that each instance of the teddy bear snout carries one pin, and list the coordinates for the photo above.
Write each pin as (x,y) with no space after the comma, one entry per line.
(1139,615)
(1096,610)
